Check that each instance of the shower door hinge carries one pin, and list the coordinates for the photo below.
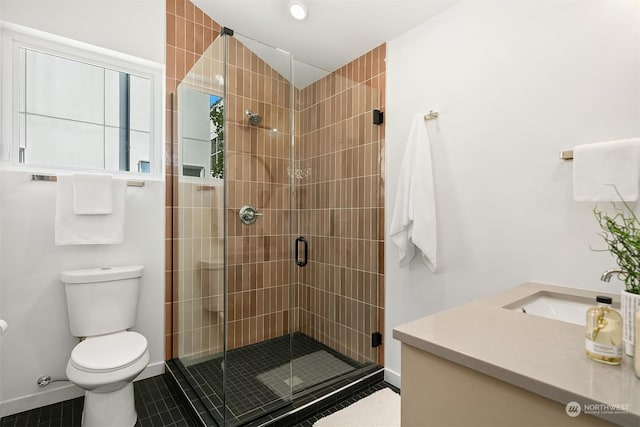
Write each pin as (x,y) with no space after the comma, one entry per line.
(376,339)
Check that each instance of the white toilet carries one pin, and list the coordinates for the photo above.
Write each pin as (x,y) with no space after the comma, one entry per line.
(102,305)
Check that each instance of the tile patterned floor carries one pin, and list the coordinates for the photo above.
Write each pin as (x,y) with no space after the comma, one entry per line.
(157,406)
(259,380)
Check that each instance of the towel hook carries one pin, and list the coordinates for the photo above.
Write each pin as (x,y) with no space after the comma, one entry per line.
(431,115)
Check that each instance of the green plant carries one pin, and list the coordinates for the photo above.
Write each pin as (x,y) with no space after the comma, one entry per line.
(621,233)
(216,114)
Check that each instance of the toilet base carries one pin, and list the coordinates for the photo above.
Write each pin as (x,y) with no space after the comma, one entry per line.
(114,409)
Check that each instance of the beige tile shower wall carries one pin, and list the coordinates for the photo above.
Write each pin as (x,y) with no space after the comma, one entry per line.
(257,174)
(200,240)
(189,33)
(339,293)
(200,271)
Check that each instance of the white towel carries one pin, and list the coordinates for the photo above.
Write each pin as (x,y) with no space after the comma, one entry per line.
(92,194)
(606,171)
(413,223)
(72,229)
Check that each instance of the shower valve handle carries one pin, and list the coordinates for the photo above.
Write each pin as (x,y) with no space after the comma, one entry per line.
(248,214)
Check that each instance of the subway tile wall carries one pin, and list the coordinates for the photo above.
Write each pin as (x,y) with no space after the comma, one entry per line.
(258,255)
(340,201)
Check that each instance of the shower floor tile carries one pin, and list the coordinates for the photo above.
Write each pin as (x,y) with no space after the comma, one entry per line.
(259,375)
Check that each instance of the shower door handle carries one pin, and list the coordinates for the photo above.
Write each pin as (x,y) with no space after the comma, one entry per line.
(305,259)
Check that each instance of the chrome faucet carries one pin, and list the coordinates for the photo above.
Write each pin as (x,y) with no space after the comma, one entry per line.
(606,276)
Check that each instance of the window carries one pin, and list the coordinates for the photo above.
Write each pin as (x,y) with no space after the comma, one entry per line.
(80,108)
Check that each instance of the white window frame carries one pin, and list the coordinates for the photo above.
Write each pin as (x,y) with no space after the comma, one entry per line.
(14,37)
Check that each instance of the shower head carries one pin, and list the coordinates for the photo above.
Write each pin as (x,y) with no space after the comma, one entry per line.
(254,118)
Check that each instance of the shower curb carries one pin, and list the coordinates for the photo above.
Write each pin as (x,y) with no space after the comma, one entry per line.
(181,387)
(309,406)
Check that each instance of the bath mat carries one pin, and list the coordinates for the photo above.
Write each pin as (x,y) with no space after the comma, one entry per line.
(381,409)
(308,370)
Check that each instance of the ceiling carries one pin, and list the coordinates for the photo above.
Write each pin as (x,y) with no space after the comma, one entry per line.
(335,32)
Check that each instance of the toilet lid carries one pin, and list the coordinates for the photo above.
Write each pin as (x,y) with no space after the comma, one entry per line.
(109,352)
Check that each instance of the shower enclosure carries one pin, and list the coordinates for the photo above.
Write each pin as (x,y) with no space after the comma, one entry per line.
(277,228)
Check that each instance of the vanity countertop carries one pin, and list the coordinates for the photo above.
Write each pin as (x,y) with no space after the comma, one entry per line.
(544,356)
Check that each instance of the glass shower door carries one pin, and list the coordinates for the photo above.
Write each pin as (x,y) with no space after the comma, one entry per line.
(258,140)
(339,210)
(198,217)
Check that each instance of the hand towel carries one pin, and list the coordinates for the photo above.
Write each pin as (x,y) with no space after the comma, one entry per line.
(92,194)
(606,171)
(413,223)
(72,229)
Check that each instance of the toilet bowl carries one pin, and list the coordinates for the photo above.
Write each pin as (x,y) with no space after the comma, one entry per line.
(105,367)
(102,303)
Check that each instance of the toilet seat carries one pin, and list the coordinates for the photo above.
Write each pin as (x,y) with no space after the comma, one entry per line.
(109,353)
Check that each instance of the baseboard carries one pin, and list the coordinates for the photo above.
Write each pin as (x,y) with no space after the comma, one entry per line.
(152,370)
(392,377)
(64,391)
(24,403)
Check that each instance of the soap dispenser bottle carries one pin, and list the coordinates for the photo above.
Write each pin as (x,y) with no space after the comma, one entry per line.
(603,341)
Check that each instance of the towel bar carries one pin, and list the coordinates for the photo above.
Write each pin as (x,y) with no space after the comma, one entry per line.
(54,178)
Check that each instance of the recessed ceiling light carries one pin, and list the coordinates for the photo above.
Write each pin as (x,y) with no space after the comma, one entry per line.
(298,10)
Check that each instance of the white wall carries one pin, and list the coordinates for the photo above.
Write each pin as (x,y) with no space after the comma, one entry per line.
(515,83)
(31,295)
(135,27)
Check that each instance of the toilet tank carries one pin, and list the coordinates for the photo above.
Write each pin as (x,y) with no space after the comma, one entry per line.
(102,300)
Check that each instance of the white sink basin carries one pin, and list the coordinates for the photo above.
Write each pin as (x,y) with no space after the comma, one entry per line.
(557,306)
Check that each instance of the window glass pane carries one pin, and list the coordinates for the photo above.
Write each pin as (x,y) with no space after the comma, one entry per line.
(77,92)
(59,142)
(195,115)
(112,148)
(139,103)
(23,128)
(112,98)
(139,149)
(196,152)
(23,59)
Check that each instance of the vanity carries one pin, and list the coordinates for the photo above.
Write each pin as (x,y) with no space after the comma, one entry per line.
(505,360)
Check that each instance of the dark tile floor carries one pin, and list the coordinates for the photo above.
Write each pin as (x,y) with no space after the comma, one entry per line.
(258,381)
(157,406)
